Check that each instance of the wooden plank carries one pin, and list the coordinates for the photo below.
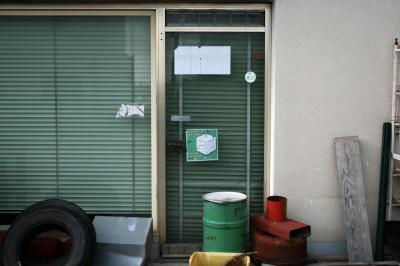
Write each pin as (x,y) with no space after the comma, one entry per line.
(353,199)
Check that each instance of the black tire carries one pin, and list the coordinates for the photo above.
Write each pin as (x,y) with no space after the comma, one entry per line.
(67,205)
(30,224)
(74,209)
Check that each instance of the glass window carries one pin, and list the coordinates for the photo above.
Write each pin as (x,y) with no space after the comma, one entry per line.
(62,80)
(223,102)
(215,18)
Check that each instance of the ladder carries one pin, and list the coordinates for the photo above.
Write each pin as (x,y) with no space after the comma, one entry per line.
(394,173)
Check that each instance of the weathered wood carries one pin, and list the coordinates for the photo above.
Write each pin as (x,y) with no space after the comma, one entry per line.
(353,199)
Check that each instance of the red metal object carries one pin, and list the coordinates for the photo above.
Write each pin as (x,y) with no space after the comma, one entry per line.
(2,235)
(67,245)
(287,230)
(258,55)
(277,251)
(276,208)
(45,248)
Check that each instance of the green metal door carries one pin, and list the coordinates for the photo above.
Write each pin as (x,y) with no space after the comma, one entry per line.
(62,80)
(224,102)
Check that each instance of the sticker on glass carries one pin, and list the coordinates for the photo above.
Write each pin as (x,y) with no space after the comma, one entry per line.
(201,145)
(250,77)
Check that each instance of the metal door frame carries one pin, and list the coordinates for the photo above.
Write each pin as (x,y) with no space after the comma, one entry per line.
(161,30)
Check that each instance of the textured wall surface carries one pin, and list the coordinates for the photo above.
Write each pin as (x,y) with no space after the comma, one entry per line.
(332,77)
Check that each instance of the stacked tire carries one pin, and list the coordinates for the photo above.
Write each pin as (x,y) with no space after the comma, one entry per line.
(52,214)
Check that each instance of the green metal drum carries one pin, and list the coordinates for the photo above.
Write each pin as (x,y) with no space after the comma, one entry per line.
(224,222)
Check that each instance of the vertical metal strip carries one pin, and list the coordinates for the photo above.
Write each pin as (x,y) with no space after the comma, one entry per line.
(133,129)
(248,132)
(180,80)
(55,101)
(396,184)
(393,129)
(159,179)
(180,161)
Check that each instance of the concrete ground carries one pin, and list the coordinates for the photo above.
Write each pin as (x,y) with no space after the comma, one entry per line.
(323,261)
(387,263)
(170,264)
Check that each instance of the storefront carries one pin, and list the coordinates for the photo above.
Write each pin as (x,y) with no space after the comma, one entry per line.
(66,70)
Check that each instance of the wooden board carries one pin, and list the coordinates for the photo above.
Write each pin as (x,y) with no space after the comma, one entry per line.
(353,199)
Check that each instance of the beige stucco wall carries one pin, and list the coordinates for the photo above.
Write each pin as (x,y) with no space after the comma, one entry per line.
(332,75)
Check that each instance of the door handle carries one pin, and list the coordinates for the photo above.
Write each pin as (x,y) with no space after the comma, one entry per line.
(176,144)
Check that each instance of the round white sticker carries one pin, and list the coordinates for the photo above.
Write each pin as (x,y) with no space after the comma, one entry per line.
(250,77)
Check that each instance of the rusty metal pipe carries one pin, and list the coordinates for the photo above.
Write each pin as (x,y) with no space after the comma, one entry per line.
(276,208)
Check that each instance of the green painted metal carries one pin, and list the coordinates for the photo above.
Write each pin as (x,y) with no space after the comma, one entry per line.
(383,187)
(214,101)
(62,80)
(224,226)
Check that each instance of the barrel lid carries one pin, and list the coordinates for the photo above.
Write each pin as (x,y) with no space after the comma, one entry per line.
(224,197)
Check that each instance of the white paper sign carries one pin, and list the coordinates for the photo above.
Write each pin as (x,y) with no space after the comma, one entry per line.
(204,60)
(187,60)
(215,60)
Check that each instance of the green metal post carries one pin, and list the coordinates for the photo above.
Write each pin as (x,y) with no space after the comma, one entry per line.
(248,131)
(383,187)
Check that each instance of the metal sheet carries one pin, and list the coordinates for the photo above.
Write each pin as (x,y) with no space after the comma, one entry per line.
(181,118)
(114,254)
(122,240)
(122,230)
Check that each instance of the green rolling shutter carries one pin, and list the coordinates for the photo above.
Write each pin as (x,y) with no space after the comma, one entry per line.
(94,64)
(27,112)
(215,102)
(104,163)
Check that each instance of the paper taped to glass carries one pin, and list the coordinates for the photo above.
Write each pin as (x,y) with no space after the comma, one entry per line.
(204,60)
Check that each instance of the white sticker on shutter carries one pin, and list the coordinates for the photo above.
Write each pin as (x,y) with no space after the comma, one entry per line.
(130,110)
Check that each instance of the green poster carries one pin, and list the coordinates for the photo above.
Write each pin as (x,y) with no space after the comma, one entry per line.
(201,145)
